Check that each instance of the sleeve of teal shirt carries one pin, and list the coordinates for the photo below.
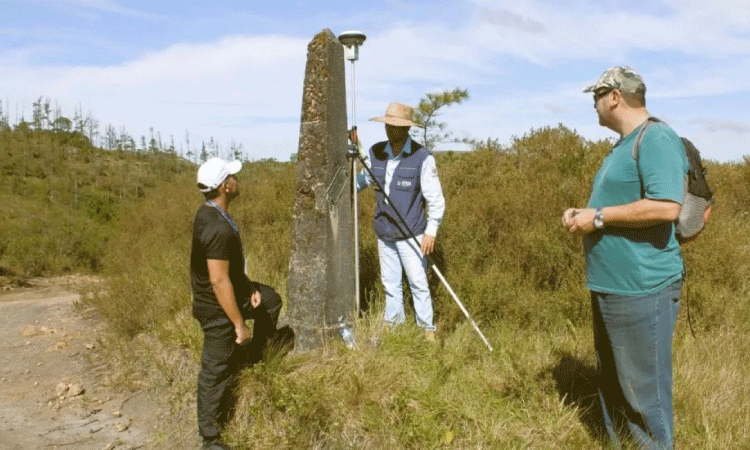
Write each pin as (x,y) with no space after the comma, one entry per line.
(663,164)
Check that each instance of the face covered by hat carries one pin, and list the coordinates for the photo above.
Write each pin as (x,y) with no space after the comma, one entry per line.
(214,171)
(622,78)
(398,115)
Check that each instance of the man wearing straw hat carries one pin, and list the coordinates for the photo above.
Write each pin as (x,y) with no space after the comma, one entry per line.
(409,177)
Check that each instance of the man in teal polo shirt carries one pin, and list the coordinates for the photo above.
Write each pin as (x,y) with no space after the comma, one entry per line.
(634,267)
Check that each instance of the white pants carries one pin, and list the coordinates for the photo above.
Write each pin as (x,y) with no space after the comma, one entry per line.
(406,255)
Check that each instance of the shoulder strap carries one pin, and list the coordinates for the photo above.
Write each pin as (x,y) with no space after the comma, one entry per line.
(636,148)
(650,121)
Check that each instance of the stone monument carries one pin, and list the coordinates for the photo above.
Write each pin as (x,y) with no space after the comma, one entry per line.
(321,289)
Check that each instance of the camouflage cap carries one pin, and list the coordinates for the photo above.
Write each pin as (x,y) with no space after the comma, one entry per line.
(622,78)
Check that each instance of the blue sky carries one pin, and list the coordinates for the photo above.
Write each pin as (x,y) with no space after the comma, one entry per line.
(234,70)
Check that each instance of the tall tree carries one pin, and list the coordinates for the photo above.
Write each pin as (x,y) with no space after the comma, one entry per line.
(172,150)
(37,114)
(152,143)
(126,141)
(4,125)
(189,152)
(236,151)
(110,137)
(432,131)
(204,153)
(79,121)
(92,128)
(47,112)
(214,147)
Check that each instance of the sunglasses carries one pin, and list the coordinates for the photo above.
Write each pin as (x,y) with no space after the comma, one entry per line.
(602,93)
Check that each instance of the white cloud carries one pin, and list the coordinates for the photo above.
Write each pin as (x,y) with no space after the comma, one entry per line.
(503,18)
(721,146)
(408,53)
(544,33)
(734,13)
(721,126)
(202,88)
(90,8)
(556,109)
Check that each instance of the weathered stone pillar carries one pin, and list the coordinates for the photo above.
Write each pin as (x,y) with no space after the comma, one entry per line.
(321,265)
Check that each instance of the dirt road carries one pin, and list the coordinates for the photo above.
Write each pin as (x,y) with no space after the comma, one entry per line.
(51,389)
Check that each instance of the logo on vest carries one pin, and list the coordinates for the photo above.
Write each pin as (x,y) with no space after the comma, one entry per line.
(403,183)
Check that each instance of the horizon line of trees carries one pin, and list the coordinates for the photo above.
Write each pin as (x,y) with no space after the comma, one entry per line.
(48,118)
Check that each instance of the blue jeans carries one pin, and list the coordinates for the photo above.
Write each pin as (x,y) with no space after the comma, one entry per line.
(407,256)
(633,342)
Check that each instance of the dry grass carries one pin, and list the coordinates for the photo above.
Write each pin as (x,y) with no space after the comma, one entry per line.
(520,275)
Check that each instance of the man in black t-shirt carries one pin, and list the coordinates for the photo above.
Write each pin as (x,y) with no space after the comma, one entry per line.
(223,298)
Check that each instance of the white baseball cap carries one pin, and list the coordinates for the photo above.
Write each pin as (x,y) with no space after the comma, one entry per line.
(214,171)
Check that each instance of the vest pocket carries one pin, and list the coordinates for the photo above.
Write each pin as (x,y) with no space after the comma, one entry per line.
(405,179)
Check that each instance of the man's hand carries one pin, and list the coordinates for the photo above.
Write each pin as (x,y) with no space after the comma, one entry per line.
(567,217)
(579,221)
(255,299)
(428,244)
(243,333)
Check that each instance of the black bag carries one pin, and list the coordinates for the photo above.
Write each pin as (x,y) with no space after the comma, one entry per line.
(697,201)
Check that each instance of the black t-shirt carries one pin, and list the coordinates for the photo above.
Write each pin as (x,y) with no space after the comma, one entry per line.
(214,238)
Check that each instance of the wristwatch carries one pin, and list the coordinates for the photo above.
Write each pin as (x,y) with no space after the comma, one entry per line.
(598,219)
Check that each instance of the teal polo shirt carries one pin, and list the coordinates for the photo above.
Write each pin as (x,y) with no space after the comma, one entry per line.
(637,261)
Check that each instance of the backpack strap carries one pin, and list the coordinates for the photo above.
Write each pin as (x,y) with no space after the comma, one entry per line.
(636,148)
(650,121)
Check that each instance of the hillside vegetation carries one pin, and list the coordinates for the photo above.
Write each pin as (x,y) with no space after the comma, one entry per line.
(61,197)
(505,253)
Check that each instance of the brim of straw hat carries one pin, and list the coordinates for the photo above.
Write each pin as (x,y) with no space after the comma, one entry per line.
(395,121)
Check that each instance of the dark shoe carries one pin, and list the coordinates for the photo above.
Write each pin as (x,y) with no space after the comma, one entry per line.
(214,444)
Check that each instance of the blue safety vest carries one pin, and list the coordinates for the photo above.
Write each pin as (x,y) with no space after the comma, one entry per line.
(405,193)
